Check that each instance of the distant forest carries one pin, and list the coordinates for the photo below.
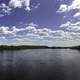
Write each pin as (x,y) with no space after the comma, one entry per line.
(6,47)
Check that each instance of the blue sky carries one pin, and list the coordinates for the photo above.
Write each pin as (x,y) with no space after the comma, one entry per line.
(40,22)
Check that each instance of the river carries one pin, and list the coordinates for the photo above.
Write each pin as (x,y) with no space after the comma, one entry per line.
(40,64)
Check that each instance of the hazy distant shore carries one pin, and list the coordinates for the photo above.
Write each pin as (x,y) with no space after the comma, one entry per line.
(6,47)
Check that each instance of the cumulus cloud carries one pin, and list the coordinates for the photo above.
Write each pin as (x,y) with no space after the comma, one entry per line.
(77,14)
(34,35)
(71,26)
(4,10)
(20,4)
(65,7)
(4,30)
(7,9)
(75,5)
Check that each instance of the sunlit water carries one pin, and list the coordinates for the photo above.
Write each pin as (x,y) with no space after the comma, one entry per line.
(40,64)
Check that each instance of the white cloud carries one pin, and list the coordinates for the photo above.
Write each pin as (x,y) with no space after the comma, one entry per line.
(4,30)
(7,9)
(65,7)
(15,30)
(15,3)
(75,5)
(71,26)
(77,14)
(20,4)
(37,35)
(36,5)
(33,35)
(4,10)
(1,15)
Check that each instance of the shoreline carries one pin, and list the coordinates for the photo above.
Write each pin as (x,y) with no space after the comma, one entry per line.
(21,47)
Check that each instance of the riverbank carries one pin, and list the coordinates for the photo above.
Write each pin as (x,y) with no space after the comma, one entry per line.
(6,47)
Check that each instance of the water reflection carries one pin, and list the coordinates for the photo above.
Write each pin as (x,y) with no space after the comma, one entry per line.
(40,64)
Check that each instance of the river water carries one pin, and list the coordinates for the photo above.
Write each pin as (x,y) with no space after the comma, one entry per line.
(40,64)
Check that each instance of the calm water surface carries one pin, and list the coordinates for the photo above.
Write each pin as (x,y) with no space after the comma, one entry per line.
(40,64)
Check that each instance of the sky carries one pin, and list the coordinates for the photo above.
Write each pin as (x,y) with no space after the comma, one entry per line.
(40,22)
